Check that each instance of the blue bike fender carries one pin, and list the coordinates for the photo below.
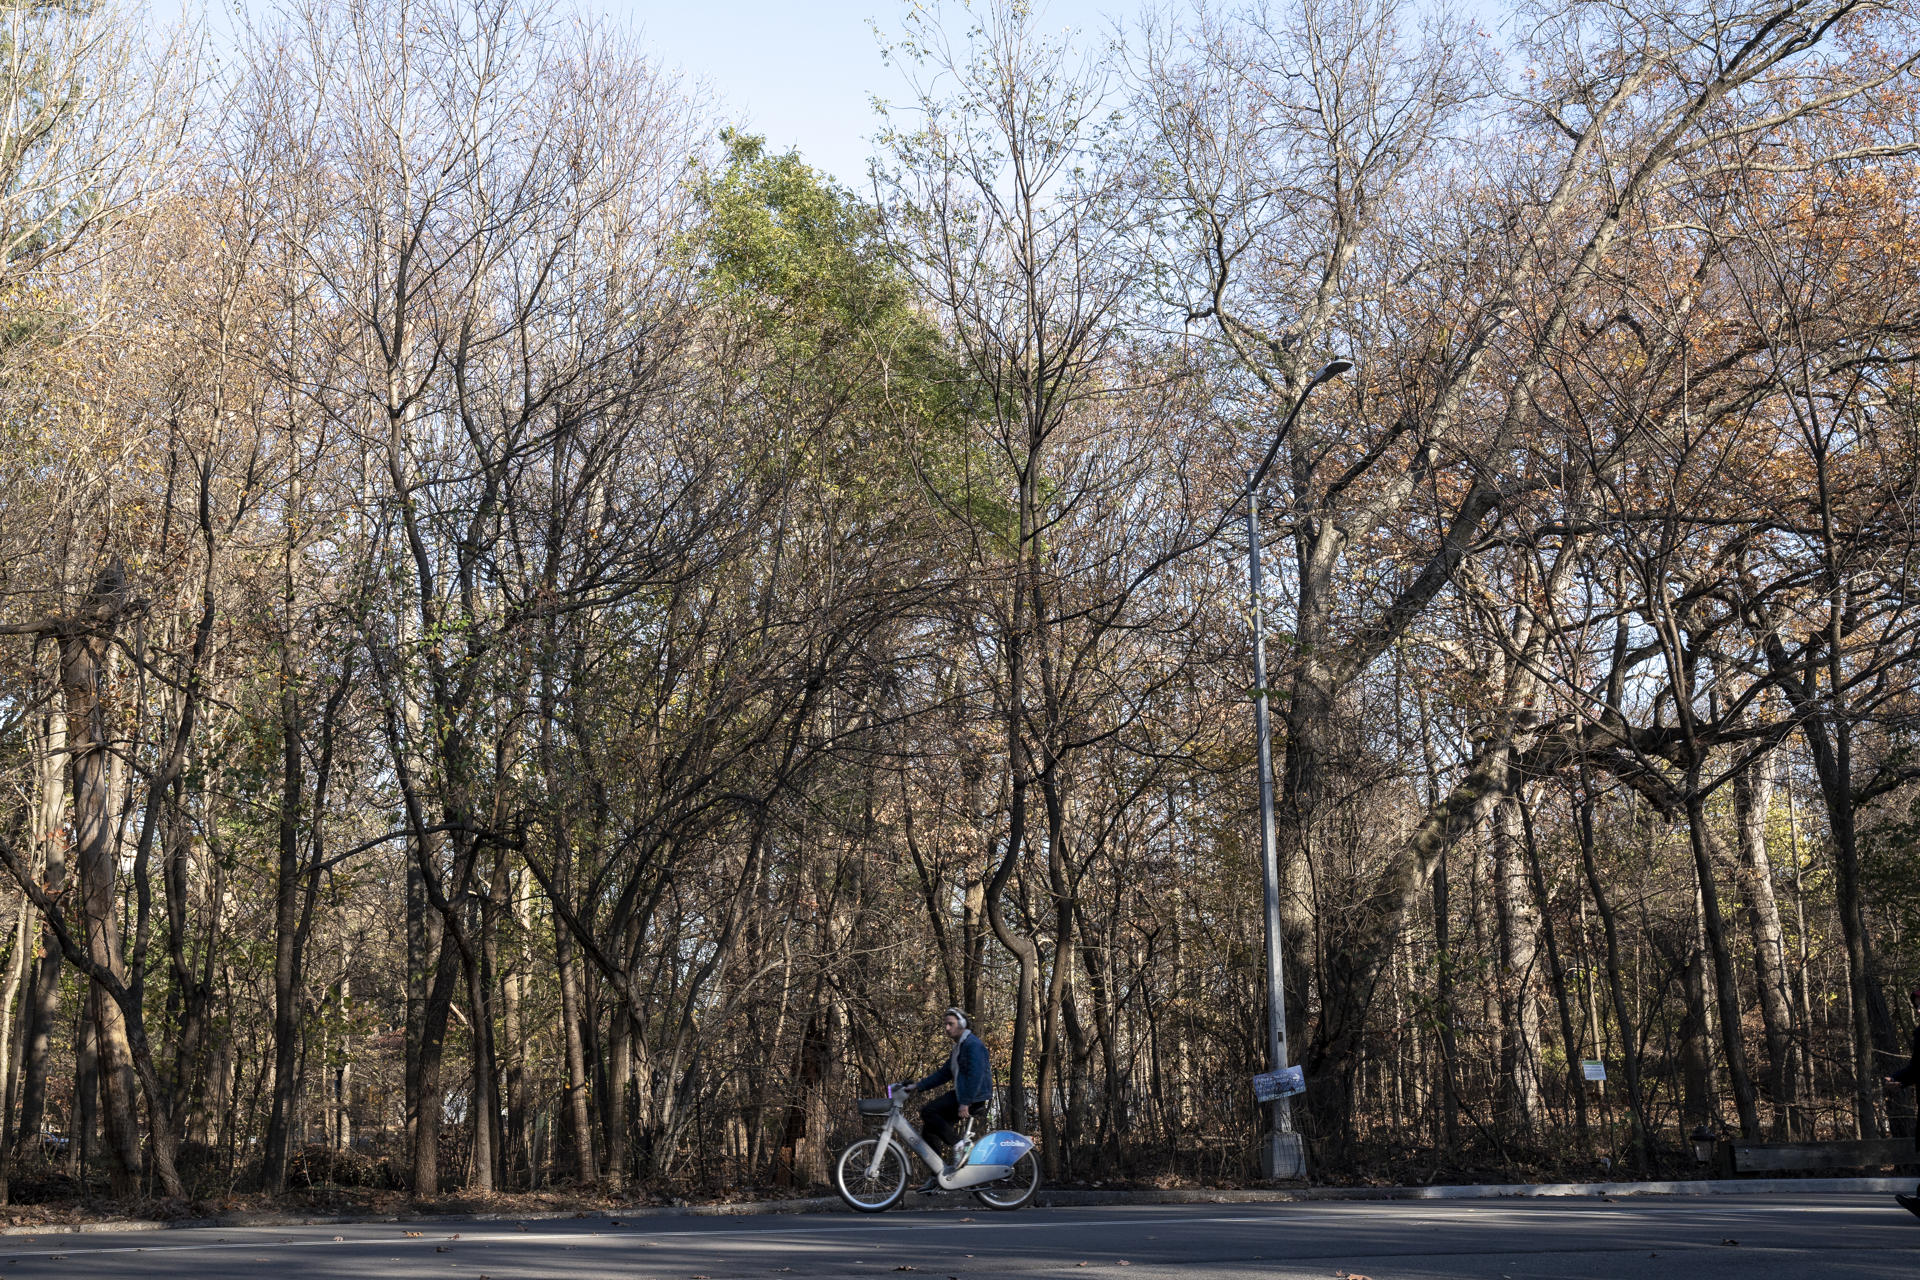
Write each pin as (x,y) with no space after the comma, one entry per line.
(1001,1147)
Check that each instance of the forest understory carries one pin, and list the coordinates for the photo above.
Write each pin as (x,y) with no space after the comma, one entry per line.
(543,642)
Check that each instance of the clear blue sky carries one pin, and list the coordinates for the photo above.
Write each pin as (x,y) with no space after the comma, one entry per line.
(802,73)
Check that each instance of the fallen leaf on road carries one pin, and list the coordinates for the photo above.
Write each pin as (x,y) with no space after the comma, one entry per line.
(439,1248)
(1729,1240)
(338,1238)
(409,1233)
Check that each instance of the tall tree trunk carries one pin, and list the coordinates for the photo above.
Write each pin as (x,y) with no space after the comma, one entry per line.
(419,978)
(485,1105)
(427,1101)
(1022,948)
(619,1082)
(1449,1084)
(579,1118)
(1697,1100)
(1557,973)
(97,854)
(192,989)
(343,1074)
(1802,993)
(1443,1001)
(1870,1022)
(512,1024)
(42,1012)
(1752,799)
(1623,1020)
(288,883)
(9,1057)
(1827,729)
(86,1096)
(808,1071)
(1518,925)
(1726,988)
(1061,975)
(1309,713)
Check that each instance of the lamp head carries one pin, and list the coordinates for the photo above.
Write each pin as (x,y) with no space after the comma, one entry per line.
(1332,369)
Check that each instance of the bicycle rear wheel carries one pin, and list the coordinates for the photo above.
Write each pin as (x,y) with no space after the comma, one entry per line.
(874,1194)
(1017,1188)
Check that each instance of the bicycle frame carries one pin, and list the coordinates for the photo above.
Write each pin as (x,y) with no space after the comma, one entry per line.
(896,1127)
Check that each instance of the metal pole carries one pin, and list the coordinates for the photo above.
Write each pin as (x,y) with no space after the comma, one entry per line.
(1281,1156)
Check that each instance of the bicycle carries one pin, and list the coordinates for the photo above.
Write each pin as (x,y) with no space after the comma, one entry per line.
(871,1175)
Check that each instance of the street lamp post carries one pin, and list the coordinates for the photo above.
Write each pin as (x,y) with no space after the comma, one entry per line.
(1281,1156)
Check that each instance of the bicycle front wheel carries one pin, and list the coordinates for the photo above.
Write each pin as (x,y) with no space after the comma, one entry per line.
(1017,1188)
(875,1194)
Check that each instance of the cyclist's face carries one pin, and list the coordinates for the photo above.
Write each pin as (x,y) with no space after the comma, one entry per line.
(952,1025)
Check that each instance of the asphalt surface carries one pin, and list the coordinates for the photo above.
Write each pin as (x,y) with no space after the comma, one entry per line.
(1699,1238)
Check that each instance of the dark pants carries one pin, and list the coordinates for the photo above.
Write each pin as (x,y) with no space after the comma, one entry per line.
(937,1119)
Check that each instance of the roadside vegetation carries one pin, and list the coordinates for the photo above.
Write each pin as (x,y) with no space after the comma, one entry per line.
(542,641)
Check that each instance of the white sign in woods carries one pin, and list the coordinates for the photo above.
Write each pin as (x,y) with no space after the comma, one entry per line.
(1593,1069)
(1271,1086)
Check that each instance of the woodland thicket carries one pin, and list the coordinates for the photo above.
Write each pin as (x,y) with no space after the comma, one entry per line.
(543,641)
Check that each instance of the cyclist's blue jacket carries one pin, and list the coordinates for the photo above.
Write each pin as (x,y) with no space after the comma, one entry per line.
(968,1068)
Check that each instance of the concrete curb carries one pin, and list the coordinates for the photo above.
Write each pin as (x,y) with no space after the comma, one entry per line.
(1046,1199)
(88,1228)
(1527,1190)
(745,1208)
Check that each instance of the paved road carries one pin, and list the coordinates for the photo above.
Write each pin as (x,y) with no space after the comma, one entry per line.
(1700,1238)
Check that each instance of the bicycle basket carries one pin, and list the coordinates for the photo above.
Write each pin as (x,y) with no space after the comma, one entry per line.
(875,1106)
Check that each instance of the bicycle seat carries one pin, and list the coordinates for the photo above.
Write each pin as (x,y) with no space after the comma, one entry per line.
(875,1106)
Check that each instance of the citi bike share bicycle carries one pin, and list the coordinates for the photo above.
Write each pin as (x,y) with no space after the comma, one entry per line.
(871,1175)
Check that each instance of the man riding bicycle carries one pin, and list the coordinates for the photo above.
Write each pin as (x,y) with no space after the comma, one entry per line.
(972,1075)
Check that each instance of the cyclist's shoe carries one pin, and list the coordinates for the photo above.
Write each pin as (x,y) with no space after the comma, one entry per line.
(928,1187)
(1910,1203)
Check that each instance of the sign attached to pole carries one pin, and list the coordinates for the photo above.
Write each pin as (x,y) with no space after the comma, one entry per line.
(1271,1086)
(1593,1069)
